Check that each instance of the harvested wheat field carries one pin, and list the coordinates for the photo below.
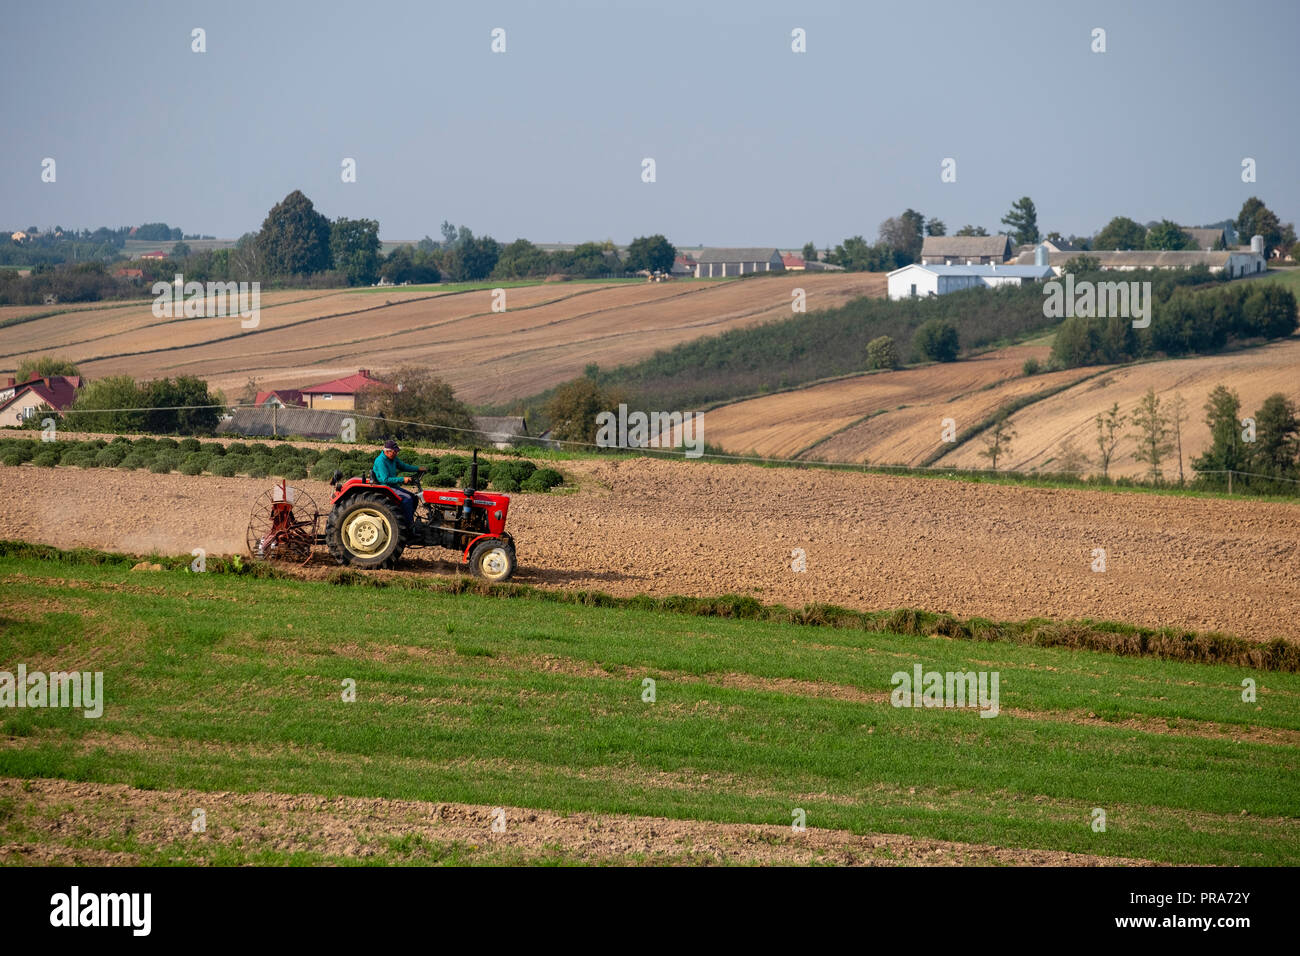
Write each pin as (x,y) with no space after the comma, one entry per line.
(786,425)
(1042,428)
(83,331)
(872,541)
(547,335)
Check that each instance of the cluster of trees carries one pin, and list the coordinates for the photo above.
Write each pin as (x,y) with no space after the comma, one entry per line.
(1263,452)
(58,245)
(573,407)
(118,403)
(900,238)
(1266,448)
(1184,321)
(420,397)
(83,282)
(297,240)
(1255,218)
(299,245)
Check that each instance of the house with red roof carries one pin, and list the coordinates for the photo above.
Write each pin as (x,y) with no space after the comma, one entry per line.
(342,392)
(283,397)
(36,397)
(792,261)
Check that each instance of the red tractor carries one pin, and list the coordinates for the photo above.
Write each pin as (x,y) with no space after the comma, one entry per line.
(366,526)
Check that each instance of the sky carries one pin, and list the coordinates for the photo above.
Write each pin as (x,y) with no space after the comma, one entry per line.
(753,143)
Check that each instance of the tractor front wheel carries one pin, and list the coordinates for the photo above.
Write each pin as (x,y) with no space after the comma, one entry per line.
(367,531)
(493,560)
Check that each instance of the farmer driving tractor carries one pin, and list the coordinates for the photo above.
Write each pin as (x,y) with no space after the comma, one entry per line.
(387,472)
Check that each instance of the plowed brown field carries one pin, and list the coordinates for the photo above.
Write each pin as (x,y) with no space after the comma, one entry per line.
(548,334)
(872,541)
(348,829)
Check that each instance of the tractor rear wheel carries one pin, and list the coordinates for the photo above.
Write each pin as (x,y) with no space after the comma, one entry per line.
(367,531)
(492,560)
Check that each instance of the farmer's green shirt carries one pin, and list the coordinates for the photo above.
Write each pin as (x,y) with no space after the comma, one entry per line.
(386,472)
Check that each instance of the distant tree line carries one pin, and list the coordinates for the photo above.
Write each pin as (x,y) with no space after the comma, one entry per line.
(899,238)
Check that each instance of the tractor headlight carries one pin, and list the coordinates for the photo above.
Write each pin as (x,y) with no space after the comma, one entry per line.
(497,515)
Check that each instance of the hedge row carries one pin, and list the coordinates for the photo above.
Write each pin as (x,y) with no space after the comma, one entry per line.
(190,456)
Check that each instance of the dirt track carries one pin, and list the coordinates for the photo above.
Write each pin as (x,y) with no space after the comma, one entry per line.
(871,541)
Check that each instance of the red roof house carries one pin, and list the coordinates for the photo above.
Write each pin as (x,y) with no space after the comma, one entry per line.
(791,261)
(280,396)
(19,402)
(342,392)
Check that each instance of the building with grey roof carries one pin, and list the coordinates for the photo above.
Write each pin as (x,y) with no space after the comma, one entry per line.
(965,250)
(1237,263)
(715,263)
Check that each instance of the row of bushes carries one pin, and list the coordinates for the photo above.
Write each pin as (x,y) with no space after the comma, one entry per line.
(190,456)
(1185,322)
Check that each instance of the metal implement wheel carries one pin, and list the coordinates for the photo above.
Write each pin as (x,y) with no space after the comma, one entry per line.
(283,525)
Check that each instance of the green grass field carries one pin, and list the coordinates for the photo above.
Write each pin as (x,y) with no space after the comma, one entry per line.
(231,683)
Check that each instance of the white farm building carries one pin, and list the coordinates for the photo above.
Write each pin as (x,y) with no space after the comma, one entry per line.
(924,280)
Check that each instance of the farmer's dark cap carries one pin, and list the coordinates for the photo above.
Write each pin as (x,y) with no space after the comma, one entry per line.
(391,444)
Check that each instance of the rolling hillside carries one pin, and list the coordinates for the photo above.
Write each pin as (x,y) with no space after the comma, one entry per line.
(548,334)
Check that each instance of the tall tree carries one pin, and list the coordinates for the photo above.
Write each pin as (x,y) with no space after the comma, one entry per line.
(1256,219)
(295,238)
(1152,424)
(903,234)
(1109,424)
(998,442)
(935,227)
(354,247)
(472,259)
(809,252)
(1178,415)
(573,408)
(1121,234)
(972,231)
(521,259)
(1168,235)
(1277,438)
(652,253)
(421,397)
(914,223)
(1022,219)
(1227,451)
